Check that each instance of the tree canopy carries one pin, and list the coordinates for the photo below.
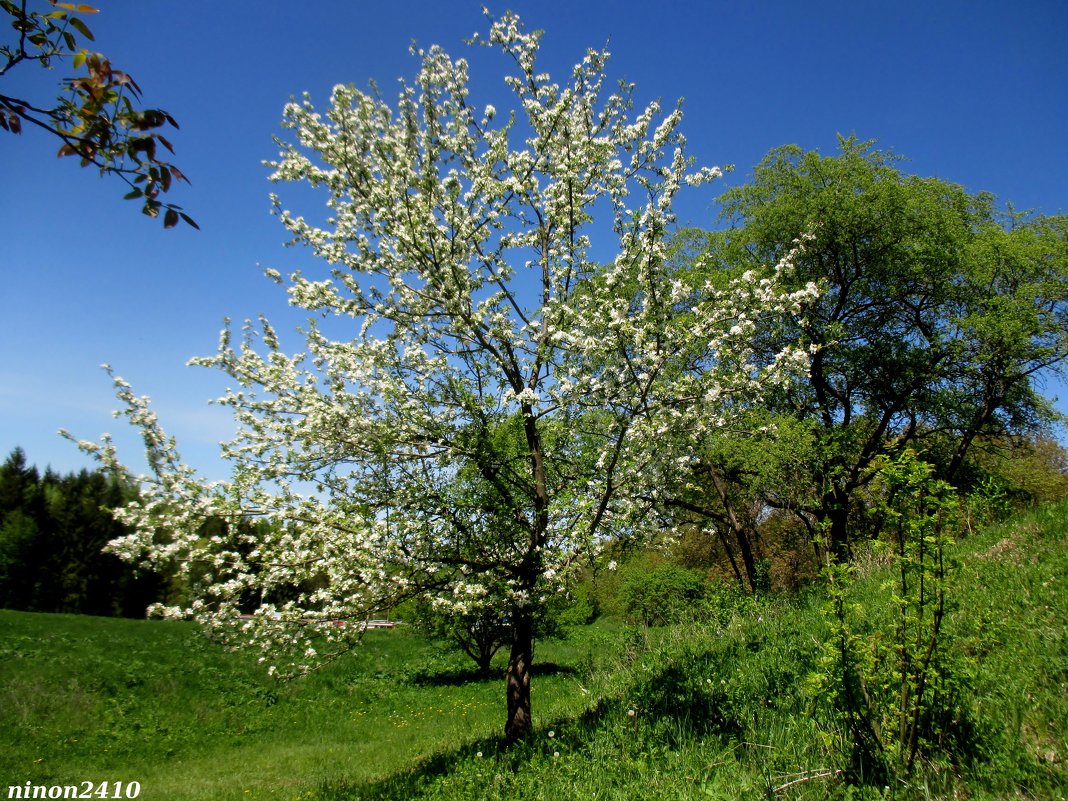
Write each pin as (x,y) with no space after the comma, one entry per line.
(938,318)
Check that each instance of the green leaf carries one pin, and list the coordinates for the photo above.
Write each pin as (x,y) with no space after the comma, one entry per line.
(82,28)
(188,219)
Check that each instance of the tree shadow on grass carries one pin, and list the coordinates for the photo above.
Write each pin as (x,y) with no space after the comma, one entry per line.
(414,782)
(456,676)
(674,698)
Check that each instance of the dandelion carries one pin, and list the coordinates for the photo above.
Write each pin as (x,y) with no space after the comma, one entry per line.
(556,754)
(632,712)
(478,754)
(551,734)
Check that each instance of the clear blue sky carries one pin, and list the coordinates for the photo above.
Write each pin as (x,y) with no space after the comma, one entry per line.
(972,92)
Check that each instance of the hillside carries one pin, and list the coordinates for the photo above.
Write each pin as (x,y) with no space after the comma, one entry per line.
(722,708)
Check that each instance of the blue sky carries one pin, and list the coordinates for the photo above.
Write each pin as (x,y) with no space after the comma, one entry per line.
(971,92)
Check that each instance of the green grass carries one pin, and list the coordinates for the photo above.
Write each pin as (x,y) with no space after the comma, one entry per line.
(89,699)
(712,710)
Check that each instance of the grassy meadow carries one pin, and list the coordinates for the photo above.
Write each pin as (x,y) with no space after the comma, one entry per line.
(721,708)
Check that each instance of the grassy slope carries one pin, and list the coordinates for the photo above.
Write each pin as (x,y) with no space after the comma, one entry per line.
(723,712)
(719,709)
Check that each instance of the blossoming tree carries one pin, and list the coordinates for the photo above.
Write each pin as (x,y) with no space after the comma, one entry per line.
(516,344)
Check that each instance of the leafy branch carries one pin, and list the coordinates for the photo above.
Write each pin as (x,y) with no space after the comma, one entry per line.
(96,115)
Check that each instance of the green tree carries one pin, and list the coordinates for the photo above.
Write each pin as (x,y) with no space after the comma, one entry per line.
(95,116)
(77,574)
(53,532)
(1012,311)
(724,490)
(479,632)
(22,513)
(937,314)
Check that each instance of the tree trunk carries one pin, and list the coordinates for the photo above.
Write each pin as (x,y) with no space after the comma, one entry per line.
(741,531)
(517,679)
(835,514)
(518,725)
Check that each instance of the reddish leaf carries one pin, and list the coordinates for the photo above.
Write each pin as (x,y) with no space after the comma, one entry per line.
(188,219)
(170,219)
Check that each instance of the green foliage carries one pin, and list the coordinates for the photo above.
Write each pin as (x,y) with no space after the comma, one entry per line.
(480,631)
(661,595)
(988,502)
(1010,474)
(580,609)
(884,666)
(53,530)
(95,117)
(936,318)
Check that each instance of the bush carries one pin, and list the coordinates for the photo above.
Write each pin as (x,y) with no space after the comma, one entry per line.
(665,594)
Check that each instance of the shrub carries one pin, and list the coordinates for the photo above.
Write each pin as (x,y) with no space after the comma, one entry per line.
(665,594)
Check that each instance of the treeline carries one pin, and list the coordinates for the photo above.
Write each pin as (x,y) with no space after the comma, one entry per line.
(53,529)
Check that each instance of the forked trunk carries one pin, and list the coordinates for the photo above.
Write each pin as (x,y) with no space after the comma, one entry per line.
(518,725)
